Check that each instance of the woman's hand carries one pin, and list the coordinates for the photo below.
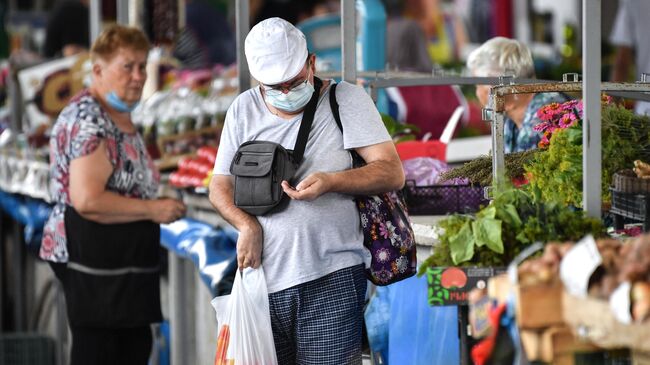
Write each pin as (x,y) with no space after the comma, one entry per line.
(249,246)
(166,210)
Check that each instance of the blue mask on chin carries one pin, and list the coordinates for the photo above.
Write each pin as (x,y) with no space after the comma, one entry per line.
(118,104)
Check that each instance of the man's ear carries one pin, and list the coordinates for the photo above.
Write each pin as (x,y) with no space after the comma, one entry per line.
(312,61)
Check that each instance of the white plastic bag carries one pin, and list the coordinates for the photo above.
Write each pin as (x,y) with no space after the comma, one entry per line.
(244,322)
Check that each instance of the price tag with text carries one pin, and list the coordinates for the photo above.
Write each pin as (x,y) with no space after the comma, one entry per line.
(578,265)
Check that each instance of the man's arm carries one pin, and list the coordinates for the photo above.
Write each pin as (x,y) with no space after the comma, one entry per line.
(383,172)
(249,243)
(622,63)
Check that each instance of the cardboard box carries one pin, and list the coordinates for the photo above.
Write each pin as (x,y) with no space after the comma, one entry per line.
(555,345)
(593,320)
(640,358)
(539,306)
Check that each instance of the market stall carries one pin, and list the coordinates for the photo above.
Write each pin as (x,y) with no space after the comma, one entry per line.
(484,232)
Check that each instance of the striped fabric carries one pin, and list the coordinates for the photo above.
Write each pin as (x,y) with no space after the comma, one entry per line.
(320,322)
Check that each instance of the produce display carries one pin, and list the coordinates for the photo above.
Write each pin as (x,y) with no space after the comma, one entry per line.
(479,170)
(555,168)
(642,169)
(194,171)
(498,232)
(557,172)
(177,122)
(627,261)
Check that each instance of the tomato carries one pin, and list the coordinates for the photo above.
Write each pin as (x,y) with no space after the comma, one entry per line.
(208,152)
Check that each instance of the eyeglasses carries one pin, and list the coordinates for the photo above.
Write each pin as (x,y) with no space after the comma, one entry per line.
(277,90)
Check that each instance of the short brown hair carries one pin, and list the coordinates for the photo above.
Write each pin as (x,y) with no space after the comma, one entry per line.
(116,37)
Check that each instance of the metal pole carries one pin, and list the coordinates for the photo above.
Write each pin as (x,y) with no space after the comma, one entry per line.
(95,20)
(498,154)
(591,127)
(181,14)
(2,269)
(242,25)
(348,40)
(181,308)
(16,100)
(19,277)
(123,12)
(521,21)
(135,13)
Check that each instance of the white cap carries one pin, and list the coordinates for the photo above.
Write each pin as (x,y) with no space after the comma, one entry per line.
(276,51)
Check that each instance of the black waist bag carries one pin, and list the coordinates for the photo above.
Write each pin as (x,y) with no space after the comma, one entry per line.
(260,167)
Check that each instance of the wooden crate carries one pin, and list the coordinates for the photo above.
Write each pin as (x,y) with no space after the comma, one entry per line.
(640,358)
(556,345)
(593,320)
(539,306)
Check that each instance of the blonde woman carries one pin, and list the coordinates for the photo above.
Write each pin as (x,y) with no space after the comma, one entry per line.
(102,237)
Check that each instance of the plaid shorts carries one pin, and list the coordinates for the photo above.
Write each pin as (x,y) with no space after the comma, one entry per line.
(320,322)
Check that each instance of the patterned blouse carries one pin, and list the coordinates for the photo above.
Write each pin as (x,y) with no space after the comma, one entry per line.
(78,131)
(525,138)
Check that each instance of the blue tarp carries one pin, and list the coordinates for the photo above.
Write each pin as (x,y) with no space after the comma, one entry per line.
(30,212)
(405,329)
(212,250)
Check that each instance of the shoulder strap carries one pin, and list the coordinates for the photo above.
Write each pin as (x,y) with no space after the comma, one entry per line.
(334,105)
(305,123)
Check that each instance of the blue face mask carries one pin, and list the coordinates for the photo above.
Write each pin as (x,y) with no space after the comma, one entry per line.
(295,99)
(118,104)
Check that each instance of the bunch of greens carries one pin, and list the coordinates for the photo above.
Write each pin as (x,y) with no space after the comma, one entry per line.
(557,172)
(498,232)
(479,170)
(398,131)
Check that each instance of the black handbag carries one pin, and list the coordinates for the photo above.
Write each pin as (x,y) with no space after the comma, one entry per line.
(260,167)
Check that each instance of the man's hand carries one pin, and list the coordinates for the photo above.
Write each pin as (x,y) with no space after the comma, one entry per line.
(249,246)
(310,188)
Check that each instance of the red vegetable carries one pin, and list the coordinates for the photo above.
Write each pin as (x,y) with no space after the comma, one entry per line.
(453,277)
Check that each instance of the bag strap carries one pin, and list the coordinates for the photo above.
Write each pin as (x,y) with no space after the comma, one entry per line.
(334,105)
(305,123)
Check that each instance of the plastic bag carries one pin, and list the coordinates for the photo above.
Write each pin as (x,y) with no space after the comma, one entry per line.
(245,335)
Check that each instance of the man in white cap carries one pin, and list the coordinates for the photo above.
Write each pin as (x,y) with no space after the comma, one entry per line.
(312,251)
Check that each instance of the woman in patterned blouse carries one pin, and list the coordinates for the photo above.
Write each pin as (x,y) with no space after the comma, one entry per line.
(103,236)
(500,56)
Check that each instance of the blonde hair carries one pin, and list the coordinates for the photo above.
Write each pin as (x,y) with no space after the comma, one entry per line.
(116,37)
(500,56)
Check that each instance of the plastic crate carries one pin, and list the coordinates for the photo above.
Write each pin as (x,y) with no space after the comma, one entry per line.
(630,205)
(26,348)
(443,199)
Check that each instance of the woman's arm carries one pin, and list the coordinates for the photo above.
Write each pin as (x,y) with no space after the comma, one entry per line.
(88,195)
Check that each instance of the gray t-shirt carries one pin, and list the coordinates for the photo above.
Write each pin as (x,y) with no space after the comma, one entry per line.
(309,239)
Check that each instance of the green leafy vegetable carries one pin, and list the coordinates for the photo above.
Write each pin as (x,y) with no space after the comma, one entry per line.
(512,221)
